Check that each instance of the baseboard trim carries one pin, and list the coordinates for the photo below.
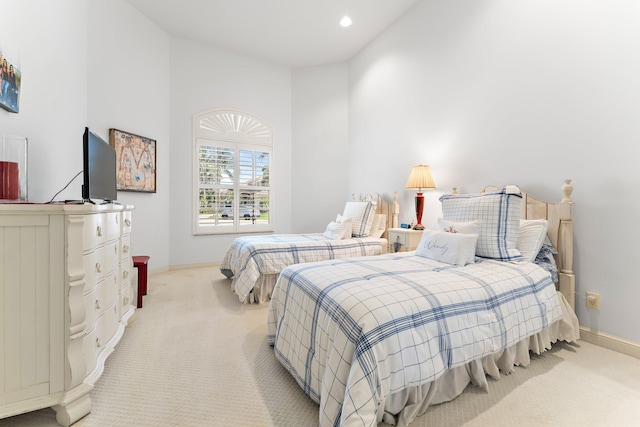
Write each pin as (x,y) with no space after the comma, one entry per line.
(609,341)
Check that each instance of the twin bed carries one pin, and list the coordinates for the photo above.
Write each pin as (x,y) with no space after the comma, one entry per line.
(380,338)
(254,262)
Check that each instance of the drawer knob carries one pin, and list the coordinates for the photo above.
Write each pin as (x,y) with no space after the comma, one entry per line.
(126,301)
(98,342)
(99,231)
(98,267)
(97,304)
(125,248)
(127,222)
(125,274)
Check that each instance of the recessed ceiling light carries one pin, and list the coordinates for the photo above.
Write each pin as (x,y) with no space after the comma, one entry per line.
(345,22)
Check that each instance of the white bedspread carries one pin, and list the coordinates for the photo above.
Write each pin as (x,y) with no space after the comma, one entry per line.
(354,332)
(252,256)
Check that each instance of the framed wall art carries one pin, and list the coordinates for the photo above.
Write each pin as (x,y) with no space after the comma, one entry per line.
(135,161)
(10,80)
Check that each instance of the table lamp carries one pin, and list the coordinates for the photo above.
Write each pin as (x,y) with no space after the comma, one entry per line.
(420,179)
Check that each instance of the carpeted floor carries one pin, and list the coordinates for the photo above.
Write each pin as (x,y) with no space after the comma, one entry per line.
(196,356)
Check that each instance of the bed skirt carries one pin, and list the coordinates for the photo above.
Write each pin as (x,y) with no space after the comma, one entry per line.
(262,290)
(403,407)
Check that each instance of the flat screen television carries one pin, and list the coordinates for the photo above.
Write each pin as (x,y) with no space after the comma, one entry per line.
(99,169)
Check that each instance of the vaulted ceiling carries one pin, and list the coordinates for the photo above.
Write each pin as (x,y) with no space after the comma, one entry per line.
(292,33)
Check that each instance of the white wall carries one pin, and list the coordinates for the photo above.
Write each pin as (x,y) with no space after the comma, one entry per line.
(531,93)
(320,144)
(491,91)
(128,89)
(47,41)
(203,78)
(98,64)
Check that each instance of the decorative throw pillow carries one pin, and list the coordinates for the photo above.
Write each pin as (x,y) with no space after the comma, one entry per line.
(451,248)
(471,227)
(499,213)
(531,236)
(362,214)
(546,260)
(348,228)
(379,226)
(335,231)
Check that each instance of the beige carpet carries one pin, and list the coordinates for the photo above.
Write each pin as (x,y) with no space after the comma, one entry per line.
(195,356)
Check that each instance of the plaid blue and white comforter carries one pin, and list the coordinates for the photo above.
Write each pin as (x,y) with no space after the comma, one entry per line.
(353,332)
(251,256)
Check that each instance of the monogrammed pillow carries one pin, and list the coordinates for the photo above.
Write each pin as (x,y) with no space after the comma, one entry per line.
(451,248)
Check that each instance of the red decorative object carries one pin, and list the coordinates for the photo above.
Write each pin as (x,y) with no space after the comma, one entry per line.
(419,208)
(141,262)
(9,181)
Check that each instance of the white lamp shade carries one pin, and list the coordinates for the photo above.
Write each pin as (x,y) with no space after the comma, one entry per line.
(420,179)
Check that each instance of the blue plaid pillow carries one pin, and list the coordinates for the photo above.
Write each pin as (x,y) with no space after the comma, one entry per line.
(499,213)
(362,214)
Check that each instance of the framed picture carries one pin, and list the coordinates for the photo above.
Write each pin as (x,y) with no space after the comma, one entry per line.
(10,79)
(135,161)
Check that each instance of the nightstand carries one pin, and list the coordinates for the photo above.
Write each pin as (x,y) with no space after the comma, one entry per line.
(406,238)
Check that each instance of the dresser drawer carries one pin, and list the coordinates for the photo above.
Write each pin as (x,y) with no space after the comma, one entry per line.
(95,267)
(112,256)
(125,299)
(98,337)
(102,261)
(94,231)
(125,271)
(103,295)
(125,248)
(126,222)
(112,222)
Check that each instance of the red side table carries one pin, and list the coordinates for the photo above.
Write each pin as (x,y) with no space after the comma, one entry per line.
(140,262)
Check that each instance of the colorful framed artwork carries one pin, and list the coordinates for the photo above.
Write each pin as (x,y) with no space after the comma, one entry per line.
(135,161)
(10,80)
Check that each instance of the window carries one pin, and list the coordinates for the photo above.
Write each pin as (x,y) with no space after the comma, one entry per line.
(232,165)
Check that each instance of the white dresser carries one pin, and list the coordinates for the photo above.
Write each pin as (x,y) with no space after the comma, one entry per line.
(65,298)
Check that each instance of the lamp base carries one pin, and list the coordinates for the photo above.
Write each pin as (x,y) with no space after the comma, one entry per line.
(419,208)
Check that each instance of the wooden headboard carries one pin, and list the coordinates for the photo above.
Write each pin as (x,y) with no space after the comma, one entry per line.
(560,232)
(391,210)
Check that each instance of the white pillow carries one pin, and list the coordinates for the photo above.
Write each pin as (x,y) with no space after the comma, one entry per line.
(500,214)
(531,236)
(471,227)
(335,231)
(451,248)
(379,226)
(362,214)
(348,228)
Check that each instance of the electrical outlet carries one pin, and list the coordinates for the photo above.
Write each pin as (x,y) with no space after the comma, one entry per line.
(593,300)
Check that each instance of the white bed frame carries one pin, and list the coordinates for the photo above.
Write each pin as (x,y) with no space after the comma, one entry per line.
(560,232)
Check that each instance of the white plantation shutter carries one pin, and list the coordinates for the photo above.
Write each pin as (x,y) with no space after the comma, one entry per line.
(232,164)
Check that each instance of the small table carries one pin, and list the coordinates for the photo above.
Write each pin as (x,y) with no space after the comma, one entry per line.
(404,239)
(141,262)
